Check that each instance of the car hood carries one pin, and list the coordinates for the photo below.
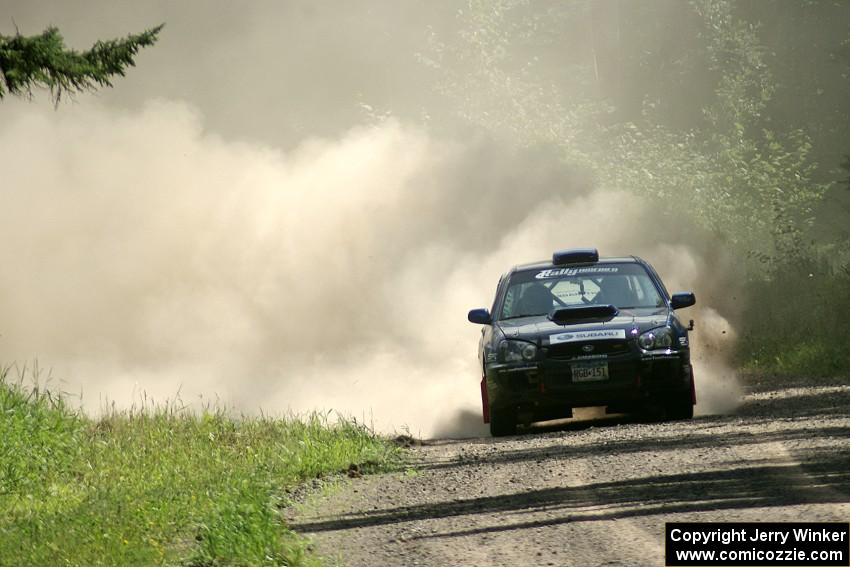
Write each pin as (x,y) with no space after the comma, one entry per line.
(532,328)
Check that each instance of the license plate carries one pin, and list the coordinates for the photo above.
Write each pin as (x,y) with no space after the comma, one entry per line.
(590,371)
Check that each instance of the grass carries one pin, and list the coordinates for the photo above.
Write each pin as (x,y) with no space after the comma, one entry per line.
(798,323)
(162,486)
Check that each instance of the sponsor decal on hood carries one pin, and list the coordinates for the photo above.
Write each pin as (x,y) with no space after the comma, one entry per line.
(604,334)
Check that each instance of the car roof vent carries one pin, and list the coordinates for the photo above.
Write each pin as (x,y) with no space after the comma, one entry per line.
(575,256)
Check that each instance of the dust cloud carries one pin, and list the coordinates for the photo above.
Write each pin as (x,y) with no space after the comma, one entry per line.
(145,258)
(715,280)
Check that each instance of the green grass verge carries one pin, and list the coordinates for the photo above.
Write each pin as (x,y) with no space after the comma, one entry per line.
(160,487)
(798,323)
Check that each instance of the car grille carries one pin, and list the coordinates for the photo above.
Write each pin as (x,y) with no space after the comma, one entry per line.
(573,350)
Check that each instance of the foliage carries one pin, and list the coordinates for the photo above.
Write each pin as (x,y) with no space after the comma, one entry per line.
(160,487)
(796,323)
(680,102)
(748,181)
(43,61)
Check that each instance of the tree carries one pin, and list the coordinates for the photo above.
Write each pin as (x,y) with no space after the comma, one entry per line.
(43,61)
(671,100)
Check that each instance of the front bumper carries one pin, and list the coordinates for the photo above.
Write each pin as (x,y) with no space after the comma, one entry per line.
(546,389)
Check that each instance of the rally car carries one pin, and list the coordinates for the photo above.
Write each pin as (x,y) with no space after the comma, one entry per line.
(583,331)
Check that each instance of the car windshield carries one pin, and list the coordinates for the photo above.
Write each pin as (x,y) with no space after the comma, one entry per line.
(538,292)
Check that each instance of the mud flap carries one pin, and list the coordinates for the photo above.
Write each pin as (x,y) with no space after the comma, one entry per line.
(484,401)
(693,388)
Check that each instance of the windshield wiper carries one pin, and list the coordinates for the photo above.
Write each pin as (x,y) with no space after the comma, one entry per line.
(521,316)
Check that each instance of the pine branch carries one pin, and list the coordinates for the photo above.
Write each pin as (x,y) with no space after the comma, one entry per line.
(43,61)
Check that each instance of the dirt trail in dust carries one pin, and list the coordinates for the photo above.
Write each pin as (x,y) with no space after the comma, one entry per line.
(595,495)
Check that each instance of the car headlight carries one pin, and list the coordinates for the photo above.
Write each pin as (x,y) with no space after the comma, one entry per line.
(517,351)
(662,337)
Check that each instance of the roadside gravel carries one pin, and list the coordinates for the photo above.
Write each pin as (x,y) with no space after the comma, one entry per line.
(595,492)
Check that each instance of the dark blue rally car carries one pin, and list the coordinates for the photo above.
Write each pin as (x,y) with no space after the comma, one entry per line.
(583,331)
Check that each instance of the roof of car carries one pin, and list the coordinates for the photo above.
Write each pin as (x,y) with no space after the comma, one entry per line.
(547,264)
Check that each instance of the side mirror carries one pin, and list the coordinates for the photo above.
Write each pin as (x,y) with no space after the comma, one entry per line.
(480,316)
(683,299)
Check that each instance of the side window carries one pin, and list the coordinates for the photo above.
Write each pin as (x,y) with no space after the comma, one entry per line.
(499,289)
(510,300)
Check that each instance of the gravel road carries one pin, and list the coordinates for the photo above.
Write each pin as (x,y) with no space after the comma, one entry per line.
(595,492)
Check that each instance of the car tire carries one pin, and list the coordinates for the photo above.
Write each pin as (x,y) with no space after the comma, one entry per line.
(680,407)
(502,423)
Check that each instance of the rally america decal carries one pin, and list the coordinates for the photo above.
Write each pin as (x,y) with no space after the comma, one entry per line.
(575,271)
(605,334)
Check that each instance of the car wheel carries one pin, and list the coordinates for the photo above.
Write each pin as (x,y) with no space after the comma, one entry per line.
(680,407)
(502,423)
